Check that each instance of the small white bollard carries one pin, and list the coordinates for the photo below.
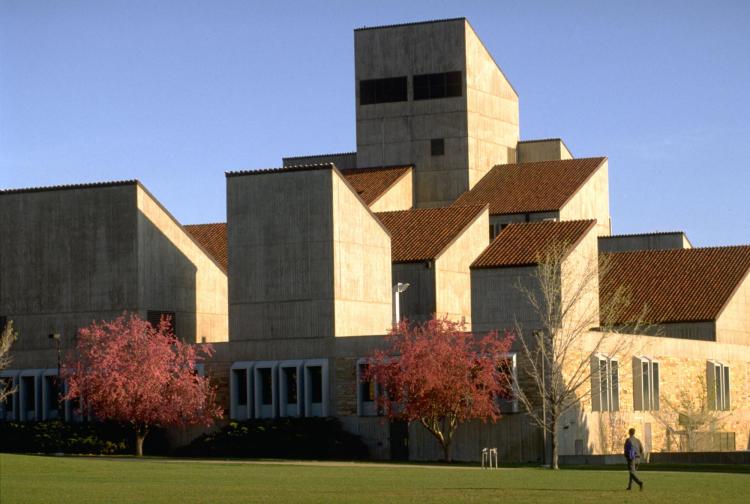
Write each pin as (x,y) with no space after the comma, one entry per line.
(488,455)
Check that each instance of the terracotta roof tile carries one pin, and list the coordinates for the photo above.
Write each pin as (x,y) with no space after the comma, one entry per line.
(543,186)
(213,238)
(522,244)
(678,285)
(371,183)
(422,234)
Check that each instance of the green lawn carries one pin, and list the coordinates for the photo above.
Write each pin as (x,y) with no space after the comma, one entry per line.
(31,479)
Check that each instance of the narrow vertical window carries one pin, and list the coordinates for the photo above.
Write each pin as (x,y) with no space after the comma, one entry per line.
(290,377)
(266,386)
(437,146)
(240,382)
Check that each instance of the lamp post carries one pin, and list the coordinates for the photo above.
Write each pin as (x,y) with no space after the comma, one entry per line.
(397,290)
(56,337)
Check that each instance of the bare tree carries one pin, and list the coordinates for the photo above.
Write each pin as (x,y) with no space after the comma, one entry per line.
(689,418)
(570,328)
(7,337)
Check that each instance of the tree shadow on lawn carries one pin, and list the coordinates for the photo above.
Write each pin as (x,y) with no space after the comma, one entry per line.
(697,468)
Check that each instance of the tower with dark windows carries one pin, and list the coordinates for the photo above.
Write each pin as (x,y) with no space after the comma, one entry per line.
(430,95)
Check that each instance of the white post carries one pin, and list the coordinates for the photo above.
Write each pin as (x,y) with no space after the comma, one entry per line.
(397,290)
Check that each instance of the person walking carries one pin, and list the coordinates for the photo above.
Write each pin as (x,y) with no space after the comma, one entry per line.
(633,453)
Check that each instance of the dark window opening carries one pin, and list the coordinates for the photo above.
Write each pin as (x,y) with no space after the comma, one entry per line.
(440,85)
(290,376)
(437,146)
(52,391)
(316,384)
(266,386)
(154,318)
(240,380)
(3,322)
(392,89)
(366,385)
(29,393)
(7,403)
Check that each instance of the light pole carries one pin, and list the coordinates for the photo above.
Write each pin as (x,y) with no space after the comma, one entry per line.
(56,337)
(397,290)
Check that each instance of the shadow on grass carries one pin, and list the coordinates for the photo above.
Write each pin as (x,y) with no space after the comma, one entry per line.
(714,468)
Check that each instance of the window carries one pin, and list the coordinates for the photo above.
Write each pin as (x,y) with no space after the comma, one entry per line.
(7,405)
(240,390)
(437,146)
(154,318)
(509,366)
(368,391)
(605,384)
(439,85)
(290,377)
(266,386)
(645,384)
(392,89)
(717,380)
(51,396)
(316,387)
(316,384)
(240,386)
(3,321)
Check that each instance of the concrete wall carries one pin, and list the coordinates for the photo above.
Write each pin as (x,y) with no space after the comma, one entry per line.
(452,274)
(399,196)
(306,258)
(361,265)
(479,128)
(69,256)
(579,284)
(400,133)
(733,324)
(496,302)
(492,105)
(280,247)
(591,201)
(175,274)
(342,160)
(552,149)
(682,371)
(646,241)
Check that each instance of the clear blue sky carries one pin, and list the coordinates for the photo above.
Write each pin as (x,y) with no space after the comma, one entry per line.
(175,93)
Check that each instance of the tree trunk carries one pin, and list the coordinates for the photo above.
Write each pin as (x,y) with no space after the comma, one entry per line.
(140,436)
(447,451)
(553,439)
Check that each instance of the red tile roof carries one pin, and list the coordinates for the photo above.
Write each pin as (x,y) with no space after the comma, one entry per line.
(423,234)
(678,285)
(371,183)
(213,238)
(523,244)
(543,186)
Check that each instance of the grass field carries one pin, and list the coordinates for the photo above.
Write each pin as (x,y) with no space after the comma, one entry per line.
(31,479)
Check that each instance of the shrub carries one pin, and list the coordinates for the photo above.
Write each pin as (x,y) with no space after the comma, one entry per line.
(298,438)
(53,436)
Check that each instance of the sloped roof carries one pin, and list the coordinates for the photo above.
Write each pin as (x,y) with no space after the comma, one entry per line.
(523,244)
(423,234)
(213,238)
(678,285)
(371,183)
(542,186)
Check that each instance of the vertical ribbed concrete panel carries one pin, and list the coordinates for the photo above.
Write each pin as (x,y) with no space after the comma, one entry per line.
(67,256)
(307,259)
(361,265)
(176,274)
(477,129)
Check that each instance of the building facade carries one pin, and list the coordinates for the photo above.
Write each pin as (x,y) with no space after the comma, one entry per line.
(441,210)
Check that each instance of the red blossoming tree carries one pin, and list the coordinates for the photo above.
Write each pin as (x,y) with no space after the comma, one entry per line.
(441,376)
(128,371)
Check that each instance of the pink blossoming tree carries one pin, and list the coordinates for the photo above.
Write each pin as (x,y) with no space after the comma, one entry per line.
(439,375)
(128,371)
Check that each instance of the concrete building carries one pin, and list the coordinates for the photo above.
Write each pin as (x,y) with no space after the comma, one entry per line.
(441,210)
